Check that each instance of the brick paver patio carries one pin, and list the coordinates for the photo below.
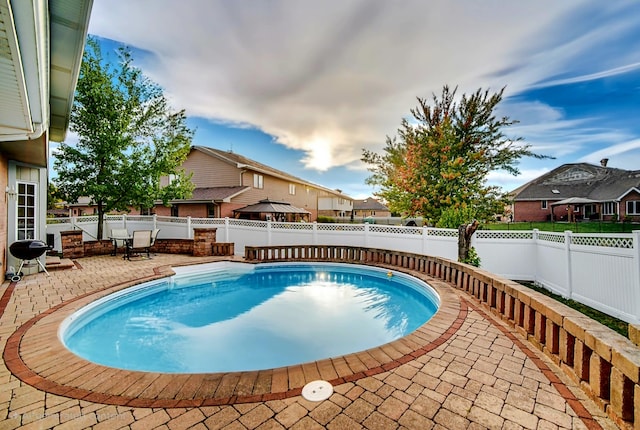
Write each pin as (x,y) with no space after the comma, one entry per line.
(473,373)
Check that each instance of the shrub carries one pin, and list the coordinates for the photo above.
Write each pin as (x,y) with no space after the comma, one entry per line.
(473,258)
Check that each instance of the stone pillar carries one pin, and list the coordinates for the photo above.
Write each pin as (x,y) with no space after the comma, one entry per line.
(634,334)
(622,396)
(566,346)
(72,245)
(599,374)
(509,307)
(552,337)
(203,240)
(529,321)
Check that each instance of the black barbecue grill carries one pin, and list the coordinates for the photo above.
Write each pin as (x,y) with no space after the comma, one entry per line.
(27,250)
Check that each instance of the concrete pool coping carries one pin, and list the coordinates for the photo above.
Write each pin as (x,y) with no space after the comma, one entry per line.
(35,355)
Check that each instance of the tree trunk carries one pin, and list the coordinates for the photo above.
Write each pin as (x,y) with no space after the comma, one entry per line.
(100,221)
(465,231)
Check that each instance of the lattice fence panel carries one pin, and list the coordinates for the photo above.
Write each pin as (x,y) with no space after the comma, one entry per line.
(395,230)
(172,220)
(610,242)
(549,237)
(442,232)
(207,221)
(489,234)
(341,227)
(299,226)
(248,223)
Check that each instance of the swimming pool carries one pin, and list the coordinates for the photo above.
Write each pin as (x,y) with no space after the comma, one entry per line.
(225,316)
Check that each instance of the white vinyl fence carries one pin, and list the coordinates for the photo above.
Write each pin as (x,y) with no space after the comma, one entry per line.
(599,270)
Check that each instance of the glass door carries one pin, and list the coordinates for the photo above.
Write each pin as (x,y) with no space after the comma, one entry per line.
(26,211)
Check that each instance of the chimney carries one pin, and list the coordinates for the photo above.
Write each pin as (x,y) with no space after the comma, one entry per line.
(604,162)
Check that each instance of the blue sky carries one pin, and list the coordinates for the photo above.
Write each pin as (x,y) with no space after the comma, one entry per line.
(303,86)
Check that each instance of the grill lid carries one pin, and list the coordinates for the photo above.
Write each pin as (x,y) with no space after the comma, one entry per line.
(28,249)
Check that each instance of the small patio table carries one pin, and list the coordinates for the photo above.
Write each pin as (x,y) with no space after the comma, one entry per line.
(115,240)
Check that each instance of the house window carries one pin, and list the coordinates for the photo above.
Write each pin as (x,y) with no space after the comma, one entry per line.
(544,204)
(608,208)
(633,207)
(146,211)
(292,189)
(211,210)
(258,181)
(174,210)
(26,211)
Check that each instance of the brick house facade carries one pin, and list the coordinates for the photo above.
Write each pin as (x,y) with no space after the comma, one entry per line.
(581,191)
(225,181)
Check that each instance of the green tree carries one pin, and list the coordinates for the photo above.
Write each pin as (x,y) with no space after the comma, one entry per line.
(129,138)
(442,156)
(54,196)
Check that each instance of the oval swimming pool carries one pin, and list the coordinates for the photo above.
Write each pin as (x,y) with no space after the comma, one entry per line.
(225,317)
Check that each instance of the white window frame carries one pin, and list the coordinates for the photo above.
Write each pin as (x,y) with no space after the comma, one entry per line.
(636,207)
(258,181)
(609,208)
(25,232)
(544,204)
(292,189)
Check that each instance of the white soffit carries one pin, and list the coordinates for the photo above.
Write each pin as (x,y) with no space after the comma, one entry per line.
(69,20)
(15,116)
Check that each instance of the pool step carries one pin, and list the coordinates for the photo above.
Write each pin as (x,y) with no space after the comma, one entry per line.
(57,263)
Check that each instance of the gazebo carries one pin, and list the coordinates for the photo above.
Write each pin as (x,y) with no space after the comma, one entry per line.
(571,203)
(269,210)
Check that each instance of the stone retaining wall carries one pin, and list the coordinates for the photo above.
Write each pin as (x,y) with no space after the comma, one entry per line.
(202,245)
(604,363)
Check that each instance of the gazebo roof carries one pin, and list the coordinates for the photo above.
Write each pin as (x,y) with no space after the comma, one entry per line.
(269,206)
(574,201)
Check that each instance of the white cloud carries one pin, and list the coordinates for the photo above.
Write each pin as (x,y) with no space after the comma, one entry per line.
(333,77)
(509,182)
(623,155)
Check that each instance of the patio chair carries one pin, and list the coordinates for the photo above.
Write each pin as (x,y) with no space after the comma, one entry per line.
(154,235)
(141,241)
(119,237)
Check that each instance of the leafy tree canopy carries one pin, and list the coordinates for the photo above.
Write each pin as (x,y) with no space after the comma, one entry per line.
(442,156)
(54,196)
(129,138)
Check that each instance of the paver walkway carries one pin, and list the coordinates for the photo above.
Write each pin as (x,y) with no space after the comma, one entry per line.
(480,376)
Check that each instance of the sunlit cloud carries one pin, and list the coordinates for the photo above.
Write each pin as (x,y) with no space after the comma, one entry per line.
(328,79)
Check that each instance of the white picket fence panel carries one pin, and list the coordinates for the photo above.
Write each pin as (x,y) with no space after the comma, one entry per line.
(599,270)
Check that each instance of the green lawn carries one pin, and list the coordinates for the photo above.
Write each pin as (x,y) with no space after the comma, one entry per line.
(576,227)
(607,320)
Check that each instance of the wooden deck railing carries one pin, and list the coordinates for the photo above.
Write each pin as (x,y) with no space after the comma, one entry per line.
(606,364)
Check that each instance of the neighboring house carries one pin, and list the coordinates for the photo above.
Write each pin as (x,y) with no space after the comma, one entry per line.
(82,207)
(41,45)
(581,191)
(226,181)
(369,207)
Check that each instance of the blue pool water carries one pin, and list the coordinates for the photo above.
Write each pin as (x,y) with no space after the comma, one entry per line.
(225,316)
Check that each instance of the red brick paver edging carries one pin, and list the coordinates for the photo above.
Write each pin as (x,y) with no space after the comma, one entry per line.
(35,354)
